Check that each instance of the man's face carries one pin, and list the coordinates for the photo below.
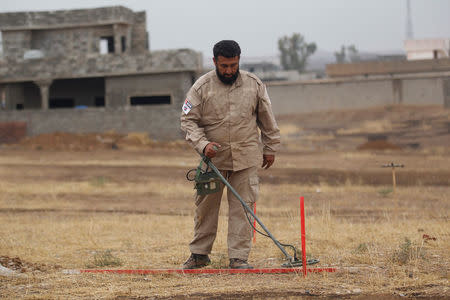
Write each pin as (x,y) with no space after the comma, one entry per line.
(227,68)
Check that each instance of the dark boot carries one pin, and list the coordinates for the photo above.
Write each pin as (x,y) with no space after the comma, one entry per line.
(236,263)
(196,261)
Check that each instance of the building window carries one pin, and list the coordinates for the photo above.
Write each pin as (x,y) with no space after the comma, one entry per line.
(123,41)
(99,101)
(106,44)
(150,100)
(62,103)
(1,44)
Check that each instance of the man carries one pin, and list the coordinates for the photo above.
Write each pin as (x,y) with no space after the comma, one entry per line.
(221,116)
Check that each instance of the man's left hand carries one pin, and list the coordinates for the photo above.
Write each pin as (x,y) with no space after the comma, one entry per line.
(268,160)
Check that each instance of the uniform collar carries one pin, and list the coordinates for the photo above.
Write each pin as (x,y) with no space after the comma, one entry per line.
(235,84)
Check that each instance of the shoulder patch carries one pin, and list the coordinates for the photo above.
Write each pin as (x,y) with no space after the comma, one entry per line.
(187,106)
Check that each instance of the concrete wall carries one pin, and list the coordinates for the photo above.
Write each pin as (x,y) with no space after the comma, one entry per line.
(15,43)
(71,41)
(139,34)
(388,67)
(160,121)
(72,33)
(156,121)
(65,18)
(423,91)
(119,89)
(100,65)
(346,94)
(446,84)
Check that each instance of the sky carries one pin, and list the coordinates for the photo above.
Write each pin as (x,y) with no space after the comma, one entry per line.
(371,25)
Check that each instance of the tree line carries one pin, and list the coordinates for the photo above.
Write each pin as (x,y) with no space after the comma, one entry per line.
(295,52)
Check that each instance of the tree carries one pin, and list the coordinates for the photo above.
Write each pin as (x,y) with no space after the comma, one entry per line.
(295,52)
(340,56)
(353,54)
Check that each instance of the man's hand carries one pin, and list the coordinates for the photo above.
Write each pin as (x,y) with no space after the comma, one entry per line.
(211,149)
(268,160)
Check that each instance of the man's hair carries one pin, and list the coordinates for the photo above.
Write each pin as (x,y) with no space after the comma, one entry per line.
(226,48)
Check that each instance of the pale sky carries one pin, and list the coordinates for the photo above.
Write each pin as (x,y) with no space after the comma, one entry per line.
(371,25)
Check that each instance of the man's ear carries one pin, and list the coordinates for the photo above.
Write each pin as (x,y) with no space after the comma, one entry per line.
(214,60)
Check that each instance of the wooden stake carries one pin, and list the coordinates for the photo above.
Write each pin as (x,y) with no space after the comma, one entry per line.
(394,180)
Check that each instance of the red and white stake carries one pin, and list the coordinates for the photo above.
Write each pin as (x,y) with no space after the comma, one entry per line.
(303,237)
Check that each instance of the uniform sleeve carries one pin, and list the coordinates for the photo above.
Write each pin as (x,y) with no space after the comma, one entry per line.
(270,133)
(190,120)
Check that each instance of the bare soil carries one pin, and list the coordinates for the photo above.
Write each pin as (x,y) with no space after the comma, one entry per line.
(334,159)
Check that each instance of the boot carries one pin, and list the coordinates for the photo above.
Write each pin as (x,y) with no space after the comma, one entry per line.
(237,263)
(196,261)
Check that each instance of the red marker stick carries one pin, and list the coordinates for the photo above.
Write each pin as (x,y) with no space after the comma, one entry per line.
(302,219)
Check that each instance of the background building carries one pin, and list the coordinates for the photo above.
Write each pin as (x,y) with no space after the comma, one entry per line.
(91,70)
(427,49)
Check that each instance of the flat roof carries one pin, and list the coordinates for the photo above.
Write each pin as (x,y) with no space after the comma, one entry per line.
(33,20)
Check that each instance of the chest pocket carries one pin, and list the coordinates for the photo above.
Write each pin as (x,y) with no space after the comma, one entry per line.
(247,103)
(215,107)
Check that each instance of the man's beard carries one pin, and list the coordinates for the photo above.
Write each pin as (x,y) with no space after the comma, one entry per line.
(228,80)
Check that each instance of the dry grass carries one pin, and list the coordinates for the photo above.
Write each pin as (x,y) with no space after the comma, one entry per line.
(116,208)
(134,210)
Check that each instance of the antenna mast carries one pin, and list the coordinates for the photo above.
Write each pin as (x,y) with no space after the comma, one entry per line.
(409,27)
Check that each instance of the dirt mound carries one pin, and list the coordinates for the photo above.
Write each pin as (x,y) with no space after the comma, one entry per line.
(425,128)
(64,141)
(378,145)
(16,264)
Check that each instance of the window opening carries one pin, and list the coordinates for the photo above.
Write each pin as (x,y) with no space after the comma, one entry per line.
(106,44)
(99,101)
(19,106)
(1,44)
(123,41)
(62,103)
(150,100)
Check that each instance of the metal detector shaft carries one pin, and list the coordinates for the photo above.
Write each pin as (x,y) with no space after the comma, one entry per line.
(213,167)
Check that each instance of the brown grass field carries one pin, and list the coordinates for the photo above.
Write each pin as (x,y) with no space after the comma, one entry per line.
(132,208)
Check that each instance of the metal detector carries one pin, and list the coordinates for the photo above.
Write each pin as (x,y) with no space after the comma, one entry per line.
(292,261)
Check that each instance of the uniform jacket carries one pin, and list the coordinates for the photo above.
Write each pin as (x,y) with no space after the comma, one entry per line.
(231,115)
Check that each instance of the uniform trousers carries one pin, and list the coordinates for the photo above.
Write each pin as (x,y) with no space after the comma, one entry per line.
(245,182)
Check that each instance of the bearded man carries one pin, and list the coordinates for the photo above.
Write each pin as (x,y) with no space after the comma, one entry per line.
(221,116)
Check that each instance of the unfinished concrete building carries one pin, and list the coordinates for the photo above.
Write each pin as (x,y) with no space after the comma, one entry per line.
(90,70)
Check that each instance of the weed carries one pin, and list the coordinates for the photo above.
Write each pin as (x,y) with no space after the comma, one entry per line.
(105,259)
(362,248)
(99,181)
(407,251)
(385,192)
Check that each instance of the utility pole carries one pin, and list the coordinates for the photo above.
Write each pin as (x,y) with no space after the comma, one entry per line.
(409,27)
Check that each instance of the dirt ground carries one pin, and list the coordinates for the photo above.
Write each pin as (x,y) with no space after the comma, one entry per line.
(122,201)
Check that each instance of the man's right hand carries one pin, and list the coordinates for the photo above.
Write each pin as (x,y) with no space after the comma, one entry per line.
(211,149)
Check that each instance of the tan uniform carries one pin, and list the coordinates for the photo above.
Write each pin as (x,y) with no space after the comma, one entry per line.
(229,115)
